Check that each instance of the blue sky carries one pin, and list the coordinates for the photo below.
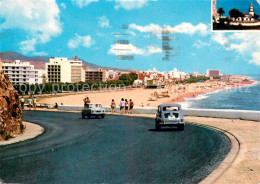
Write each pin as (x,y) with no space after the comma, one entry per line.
(85,28)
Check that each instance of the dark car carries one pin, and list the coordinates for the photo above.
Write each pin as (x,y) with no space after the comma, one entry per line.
(169,115)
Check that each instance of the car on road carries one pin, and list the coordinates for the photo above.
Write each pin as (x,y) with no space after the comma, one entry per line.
(93,110)
(169,115)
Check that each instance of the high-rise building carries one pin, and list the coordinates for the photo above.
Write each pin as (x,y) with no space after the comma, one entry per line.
(95,75)
(64,70)
(21,72)
(213,73)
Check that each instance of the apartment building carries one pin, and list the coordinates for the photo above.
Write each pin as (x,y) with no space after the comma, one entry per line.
(95,75)
(213,73)
(63,70)
(21,72)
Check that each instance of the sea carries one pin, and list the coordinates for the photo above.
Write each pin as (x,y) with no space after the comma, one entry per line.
(240,98)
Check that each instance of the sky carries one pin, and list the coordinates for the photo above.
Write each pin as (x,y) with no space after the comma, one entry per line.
(90,28)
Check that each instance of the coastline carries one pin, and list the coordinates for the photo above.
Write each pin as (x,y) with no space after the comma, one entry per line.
(145,97)
(186,103)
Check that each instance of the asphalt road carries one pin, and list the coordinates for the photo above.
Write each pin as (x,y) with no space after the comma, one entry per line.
(116,149)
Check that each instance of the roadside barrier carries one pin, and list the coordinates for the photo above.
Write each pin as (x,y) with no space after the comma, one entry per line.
(213,113)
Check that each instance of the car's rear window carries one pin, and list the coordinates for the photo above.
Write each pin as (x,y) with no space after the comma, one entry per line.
(171,108)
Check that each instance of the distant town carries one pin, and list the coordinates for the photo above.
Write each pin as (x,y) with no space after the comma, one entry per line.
(65,70)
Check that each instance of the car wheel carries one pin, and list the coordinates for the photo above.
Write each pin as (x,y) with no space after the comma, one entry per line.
(89,116)
(103,116)
(180,127)
(83,116)
(157,126)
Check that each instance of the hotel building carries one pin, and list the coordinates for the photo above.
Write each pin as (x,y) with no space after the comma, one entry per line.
(95,75)
(21,72)
(64,70)
(213,73)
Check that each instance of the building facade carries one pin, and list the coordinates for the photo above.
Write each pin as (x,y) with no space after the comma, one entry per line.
(95,75)
(21,72)
(213,73)
(63,70)
(248,17)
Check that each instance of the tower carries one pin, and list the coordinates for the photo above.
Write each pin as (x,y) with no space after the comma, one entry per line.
(251,10)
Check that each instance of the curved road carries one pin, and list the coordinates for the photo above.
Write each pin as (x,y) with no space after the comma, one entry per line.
(116,149)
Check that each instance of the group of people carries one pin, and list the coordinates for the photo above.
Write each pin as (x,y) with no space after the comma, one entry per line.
(125,106)
(32,102)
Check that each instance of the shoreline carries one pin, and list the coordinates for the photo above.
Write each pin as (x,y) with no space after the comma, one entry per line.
(194,95)
(31,131)
(148,97)
(207,94)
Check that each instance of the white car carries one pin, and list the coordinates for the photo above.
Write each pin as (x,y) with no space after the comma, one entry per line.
(93,109)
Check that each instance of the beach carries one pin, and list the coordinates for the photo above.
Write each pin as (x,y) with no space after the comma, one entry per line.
(146,97)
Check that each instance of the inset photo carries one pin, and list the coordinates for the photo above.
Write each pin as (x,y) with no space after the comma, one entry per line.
(235,15)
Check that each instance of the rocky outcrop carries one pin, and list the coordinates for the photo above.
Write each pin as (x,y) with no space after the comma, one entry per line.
(10,110)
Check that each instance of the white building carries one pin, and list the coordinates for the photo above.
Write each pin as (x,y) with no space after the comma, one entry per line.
(247,17)
(63,70)
(21,72)
(176,74)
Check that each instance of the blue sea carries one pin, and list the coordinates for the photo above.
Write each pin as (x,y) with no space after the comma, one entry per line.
(241,98)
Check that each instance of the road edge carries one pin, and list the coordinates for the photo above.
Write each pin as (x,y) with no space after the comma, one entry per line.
(31,131)
(229,159)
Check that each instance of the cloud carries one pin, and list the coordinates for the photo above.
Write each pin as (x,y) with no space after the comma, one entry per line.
(42,53)
(152,28)
(39,19)
(130,4)
(125,49)
(28,45)
(84,41)
(221,39)
(82,3)
(129,49)
(183,28)
(200,44)
(243,43)
(188,28)
(255,58)
(63,5)
(103,22)
(125,4)
(154,50)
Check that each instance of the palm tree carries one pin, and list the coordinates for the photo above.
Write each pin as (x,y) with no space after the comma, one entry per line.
(221,11)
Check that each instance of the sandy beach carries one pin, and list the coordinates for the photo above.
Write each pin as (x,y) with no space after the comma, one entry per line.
(145,97)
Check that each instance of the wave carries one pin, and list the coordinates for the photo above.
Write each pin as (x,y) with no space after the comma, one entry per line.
(189,101)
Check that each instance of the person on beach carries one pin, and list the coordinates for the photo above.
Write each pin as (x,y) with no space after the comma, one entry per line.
(22,102)
(34,102)
(86,101)
(126,106)
(113,105)
(30,102)
(131,106)
(122,106)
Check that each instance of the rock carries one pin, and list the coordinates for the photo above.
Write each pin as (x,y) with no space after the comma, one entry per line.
(10,110)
